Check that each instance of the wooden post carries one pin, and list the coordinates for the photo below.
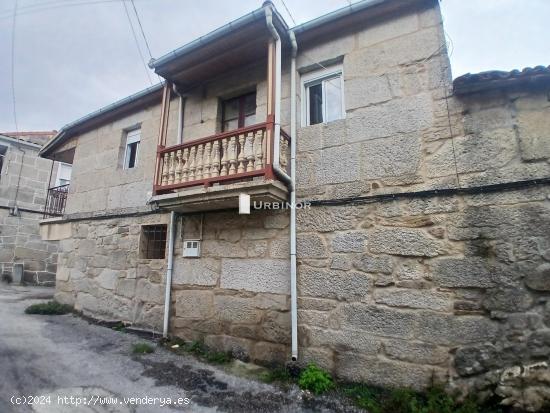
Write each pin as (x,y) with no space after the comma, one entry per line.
(163,128)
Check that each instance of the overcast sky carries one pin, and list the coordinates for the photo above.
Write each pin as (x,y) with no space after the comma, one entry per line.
(73,58)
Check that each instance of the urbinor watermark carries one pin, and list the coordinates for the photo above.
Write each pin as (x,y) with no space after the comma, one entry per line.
(245,206)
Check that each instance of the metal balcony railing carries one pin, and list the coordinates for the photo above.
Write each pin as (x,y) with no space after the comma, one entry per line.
(55,201)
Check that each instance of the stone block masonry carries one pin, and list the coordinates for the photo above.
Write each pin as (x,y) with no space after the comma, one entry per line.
(234,297)
(20,242)
(394,293)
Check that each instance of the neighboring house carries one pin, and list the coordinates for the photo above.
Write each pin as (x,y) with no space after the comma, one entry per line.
(425,250)
(24,182)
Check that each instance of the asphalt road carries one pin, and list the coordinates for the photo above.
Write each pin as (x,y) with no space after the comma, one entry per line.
(51,358)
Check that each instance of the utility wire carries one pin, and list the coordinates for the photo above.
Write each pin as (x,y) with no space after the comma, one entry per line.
(289,13)
(13,66)
(141,28)
(5,14)
(137,43)
(143,34)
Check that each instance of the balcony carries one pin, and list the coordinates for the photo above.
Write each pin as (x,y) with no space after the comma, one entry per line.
(211,172)
(55,201)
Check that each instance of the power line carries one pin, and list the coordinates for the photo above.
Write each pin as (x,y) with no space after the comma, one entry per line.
(289,13)
(137,42)
(143,34)
(141,28)
(13,66)
(49,6)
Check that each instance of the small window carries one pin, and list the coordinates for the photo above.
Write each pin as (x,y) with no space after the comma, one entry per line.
(63,174)
(324,97)
(239,112)
(153,241)
(132,148)
(3,152)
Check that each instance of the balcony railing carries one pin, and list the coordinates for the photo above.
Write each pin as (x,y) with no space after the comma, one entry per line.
(226,157)
(55,201)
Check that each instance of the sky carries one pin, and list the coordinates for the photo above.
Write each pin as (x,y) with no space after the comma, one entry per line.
(72,57)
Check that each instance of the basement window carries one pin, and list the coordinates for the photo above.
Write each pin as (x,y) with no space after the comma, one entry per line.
(153,242)
(324,96)
(133,137)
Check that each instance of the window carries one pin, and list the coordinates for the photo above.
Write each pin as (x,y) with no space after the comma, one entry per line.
(3,151)
(153,241)
(324,96)
(239,112)
(63,174)
(132,148)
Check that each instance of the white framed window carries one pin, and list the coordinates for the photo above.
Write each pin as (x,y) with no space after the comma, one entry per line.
(63,176)
(131,153)
(323,93)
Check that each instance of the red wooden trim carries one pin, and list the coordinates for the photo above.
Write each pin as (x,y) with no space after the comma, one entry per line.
(235,132)
(210,181)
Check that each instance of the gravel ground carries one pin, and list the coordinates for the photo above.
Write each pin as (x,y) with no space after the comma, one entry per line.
(57,356)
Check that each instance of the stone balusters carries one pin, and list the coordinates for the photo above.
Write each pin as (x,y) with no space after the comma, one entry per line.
(165,168)
(215,166)
(207,160)
(192,153)
(225,157)
(177,178)
(249,151)
(185,168)
(242,158)
(171,168)
(259,150)
(232,156)
(199,162)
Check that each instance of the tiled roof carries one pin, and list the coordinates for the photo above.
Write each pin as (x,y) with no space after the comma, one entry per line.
(36,137)
(496,79)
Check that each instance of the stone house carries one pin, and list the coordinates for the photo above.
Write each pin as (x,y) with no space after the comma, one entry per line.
(422,246)
(24,182)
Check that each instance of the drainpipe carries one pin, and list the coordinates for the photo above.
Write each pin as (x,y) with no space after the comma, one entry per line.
(276,163)
(277,133)
(180,114)
(171,237)
(293,293)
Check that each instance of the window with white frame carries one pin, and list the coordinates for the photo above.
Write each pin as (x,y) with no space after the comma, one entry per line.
(132,148)
(63,177)
(323,93)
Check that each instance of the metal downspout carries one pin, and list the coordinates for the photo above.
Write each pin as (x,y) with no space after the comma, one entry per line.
(277,132)
(181,109)
(293,292)
(169,268)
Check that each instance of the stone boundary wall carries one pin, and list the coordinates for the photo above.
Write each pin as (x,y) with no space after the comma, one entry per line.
(457,288)
(100,272)
(20,242)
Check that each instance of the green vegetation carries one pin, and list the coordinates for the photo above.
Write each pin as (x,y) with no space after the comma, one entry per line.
(199,350)
(49,308)
(277,375)
(315,379)
(434,400)
(142,348)
(119,326)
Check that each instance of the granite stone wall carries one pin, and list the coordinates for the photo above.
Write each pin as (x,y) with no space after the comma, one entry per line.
(457,288)
(100,272)
(24,182)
